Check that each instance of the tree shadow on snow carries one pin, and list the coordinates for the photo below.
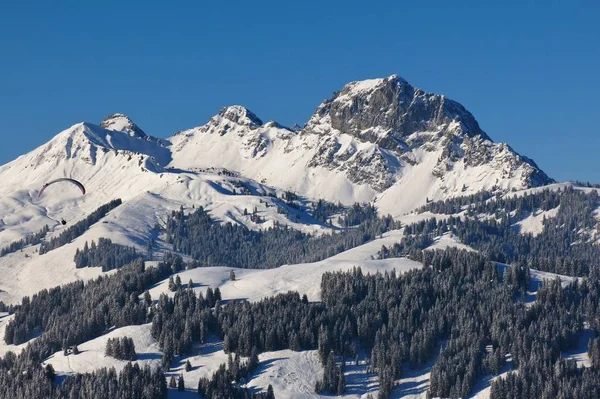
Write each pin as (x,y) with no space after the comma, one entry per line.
(188,394)
(148,356)
(411,388)
(210,347)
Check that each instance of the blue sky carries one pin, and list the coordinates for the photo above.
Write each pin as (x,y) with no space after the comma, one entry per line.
(527,70)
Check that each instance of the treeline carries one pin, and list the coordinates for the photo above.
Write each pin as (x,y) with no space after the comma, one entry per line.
(78,228)
(21,378)
(586,184)
(77,312)
(324,210)
(210,243)
(565,245)
(334,381)
(552,325)
(179,321)
(105,254)
(121,348)
(403,319)
(220,386)
(488,203)
(358,214)
(223,382)
(32,239)
(399,319)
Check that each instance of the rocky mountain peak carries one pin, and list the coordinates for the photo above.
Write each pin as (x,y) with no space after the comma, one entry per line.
(240,115)
(122,123)
(390,108)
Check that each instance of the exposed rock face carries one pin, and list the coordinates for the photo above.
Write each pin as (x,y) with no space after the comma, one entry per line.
(399,118)
(377,108)
(240,115)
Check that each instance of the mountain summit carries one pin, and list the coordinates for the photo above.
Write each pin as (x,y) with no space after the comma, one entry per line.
(239,115)
(122,123)
(389,110)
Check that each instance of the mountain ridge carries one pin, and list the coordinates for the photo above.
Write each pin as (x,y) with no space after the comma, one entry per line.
(377,140)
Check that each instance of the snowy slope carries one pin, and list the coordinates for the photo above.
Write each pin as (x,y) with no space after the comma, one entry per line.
(91,356)
(534,222)
(112,164)
(26,272)
(253,284)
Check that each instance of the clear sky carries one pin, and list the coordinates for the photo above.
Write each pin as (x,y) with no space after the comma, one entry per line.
(529,71)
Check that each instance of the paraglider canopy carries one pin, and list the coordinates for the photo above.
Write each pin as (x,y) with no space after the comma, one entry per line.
(63,179)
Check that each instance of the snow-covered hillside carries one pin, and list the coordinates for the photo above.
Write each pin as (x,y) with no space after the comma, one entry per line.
(26,272)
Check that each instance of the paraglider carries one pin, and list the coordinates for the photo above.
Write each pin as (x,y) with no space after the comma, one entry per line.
(65,179)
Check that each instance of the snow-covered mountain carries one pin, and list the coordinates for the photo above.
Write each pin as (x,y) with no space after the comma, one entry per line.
(376,140)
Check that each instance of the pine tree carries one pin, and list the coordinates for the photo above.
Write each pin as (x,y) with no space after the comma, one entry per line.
(50,374)
(172,382)
(210,297)
(270,393)
(108,351)
(253,361)
(341,384)
(232,275)
(188,365)
(180,383)
(147,298)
